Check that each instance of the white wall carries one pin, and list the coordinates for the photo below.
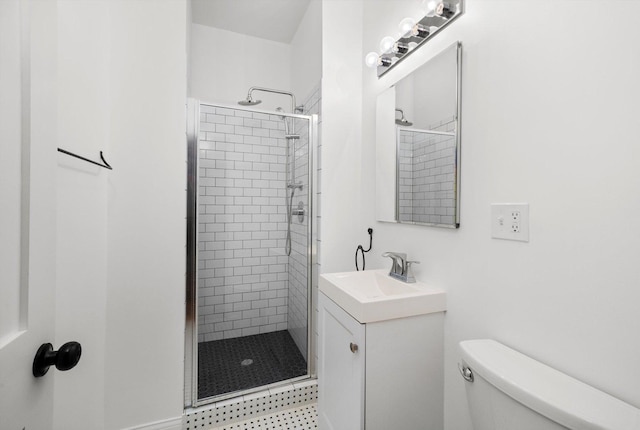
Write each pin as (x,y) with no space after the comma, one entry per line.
(120,254)
(340,221)
(146,214)
(306,53)
(434,98)
(549,112)
(83,128)
(224,65)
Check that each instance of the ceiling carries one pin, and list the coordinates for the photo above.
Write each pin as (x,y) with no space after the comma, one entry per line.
(275,20)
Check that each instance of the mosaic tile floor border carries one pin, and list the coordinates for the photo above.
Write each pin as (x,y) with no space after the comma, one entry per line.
(302,418)
(252,406)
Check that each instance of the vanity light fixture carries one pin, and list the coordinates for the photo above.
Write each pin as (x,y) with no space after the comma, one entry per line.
(413,33)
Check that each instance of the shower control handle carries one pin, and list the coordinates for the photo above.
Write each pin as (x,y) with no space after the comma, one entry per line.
(353,347)
(299,211)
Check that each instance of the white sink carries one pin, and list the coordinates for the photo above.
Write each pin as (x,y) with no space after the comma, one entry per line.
(373,295)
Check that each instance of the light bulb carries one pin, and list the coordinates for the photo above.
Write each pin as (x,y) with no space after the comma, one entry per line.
(386,44)
(406,25)
(372,59)
(430,7)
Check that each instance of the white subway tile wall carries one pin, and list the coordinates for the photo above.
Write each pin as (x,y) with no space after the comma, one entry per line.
(427,175)
(246,283)
(242,272)
(405,174)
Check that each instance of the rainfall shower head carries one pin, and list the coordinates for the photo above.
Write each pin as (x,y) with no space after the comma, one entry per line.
(249,101)
(402,120)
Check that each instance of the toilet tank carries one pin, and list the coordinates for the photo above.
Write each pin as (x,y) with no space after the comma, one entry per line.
(512,391)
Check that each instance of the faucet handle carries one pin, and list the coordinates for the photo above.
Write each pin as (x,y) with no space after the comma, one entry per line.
(398,262)
(408,273)
(395,255)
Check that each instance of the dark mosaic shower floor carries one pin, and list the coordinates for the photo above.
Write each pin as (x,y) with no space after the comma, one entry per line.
(223,365)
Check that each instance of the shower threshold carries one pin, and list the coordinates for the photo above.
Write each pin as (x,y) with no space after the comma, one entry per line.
(238,364)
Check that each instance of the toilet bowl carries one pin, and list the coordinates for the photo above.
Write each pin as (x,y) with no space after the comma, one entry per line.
(507,390)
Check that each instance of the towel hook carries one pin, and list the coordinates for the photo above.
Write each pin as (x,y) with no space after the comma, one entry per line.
(105,165)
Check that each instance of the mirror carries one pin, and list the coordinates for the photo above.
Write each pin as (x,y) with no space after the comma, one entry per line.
(418,145)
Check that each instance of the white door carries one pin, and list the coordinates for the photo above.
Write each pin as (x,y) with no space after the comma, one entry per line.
(27,209)
(341,368)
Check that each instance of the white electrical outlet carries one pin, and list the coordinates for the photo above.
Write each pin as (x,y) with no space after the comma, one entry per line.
(510,221)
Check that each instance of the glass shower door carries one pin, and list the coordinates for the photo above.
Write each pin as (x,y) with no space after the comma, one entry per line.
(250,262)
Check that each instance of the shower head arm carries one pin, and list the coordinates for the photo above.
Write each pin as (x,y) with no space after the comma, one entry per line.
(271,90)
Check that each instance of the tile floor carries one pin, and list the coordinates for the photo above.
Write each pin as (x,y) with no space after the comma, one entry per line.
(252,406)
(301,418)
(236,364)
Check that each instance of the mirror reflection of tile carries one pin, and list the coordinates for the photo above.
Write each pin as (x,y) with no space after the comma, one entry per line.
(427,174)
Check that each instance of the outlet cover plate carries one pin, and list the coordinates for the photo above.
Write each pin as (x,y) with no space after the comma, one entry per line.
(510,221)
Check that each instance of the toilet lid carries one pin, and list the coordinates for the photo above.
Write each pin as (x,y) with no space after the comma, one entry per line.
(547,391)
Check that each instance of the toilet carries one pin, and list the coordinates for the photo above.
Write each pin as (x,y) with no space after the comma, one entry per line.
(507,390)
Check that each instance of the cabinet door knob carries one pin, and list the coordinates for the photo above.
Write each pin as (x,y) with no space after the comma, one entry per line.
(64,359)
(353,347)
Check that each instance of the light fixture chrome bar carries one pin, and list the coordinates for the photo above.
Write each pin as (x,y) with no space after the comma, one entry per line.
(444,13)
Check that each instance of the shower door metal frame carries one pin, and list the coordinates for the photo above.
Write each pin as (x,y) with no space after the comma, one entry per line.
(191,399)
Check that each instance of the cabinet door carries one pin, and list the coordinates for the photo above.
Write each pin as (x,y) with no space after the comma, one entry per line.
(341,369)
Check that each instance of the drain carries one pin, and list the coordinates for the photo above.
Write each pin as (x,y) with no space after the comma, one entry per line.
(246,362)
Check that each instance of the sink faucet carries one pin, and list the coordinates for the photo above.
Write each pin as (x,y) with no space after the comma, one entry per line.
(401,267)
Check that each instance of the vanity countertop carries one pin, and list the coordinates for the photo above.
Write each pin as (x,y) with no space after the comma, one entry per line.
(373,295)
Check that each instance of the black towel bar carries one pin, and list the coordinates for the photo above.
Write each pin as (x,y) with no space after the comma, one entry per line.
(105,165)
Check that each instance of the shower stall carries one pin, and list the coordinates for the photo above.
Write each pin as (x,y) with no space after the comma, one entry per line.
(250,248)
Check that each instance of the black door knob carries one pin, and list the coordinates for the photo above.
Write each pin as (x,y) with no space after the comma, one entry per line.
(64,359)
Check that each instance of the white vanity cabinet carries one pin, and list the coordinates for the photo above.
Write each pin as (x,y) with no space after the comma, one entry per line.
(341,369)
(379,375)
